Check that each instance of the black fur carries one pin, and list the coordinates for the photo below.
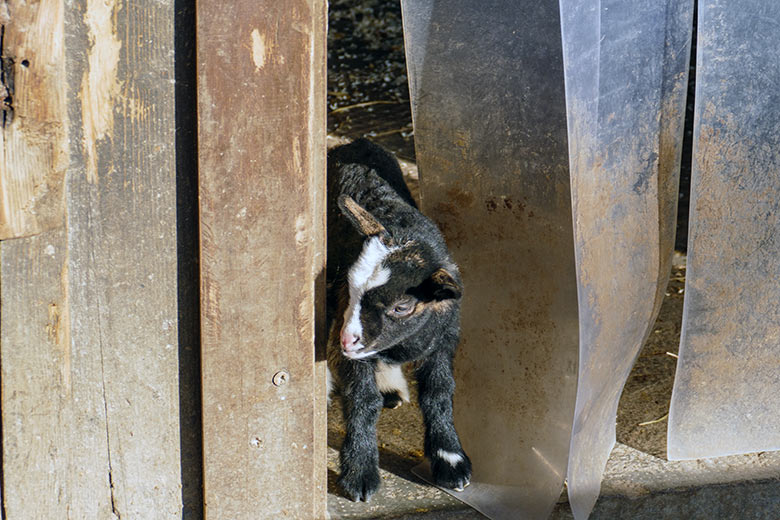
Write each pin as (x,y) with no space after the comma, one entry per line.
(422,272)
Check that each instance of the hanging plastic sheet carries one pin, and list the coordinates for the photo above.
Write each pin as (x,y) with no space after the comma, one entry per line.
(626,69)
(727,388)
(487,94)
(488,104)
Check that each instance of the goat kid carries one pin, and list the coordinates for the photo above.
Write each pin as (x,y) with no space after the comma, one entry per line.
(393,297)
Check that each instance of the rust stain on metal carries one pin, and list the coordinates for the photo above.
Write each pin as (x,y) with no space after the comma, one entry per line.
(99,87)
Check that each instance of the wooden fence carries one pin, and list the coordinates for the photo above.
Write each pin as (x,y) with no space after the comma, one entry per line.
(161,217)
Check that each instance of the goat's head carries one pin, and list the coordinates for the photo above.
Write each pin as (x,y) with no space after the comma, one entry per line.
(394,288)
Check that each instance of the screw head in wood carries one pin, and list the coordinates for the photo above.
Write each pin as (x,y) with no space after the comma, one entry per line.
(281,378)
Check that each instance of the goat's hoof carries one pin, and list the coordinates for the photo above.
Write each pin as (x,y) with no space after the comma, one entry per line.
(459,489)
(360,485)
(451,470)
(392,400)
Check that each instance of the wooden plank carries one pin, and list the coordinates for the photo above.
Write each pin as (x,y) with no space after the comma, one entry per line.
(33,134)
(54,461)
(52,453)
(122,246)
(90,413)
(261,87)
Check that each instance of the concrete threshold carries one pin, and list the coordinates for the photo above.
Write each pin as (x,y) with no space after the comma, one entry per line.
(636,486)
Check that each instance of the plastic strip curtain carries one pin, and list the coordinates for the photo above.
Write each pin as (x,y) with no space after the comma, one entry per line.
(490,115)
(727,388)
(488,104)
(626,69)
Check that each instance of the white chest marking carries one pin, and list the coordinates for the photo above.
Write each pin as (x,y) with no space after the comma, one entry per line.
(390,378)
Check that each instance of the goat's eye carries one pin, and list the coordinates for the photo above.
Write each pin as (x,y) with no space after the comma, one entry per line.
(403,308)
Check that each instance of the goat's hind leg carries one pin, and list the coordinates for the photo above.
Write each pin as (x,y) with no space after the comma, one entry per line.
(359,454)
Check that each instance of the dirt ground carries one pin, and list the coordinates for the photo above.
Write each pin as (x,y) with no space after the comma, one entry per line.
(368,97)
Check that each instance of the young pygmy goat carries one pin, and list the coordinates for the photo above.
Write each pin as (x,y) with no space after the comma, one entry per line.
(393,297)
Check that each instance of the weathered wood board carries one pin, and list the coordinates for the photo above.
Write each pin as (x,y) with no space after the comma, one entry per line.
(33,134)
(261,135)
(54,435)
(89,311)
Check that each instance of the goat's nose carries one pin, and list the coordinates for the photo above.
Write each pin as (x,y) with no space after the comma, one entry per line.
(348,340)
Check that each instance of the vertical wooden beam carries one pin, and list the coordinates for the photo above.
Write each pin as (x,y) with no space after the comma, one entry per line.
(261,87)
(89,326)
(122,246)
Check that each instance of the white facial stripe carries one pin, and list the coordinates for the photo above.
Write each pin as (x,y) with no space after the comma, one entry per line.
(452,458)
(390,378)
(352,318)
(364,271)
(365,274)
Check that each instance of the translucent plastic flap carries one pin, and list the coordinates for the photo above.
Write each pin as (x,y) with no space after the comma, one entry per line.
(490,134)
(727,388)
(626,67)
(556,308)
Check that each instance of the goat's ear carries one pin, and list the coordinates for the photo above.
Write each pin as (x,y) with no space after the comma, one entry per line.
(363,221)
(441,285)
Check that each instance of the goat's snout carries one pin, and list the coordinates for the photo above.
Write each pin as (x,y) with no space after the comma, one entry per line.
(349,341)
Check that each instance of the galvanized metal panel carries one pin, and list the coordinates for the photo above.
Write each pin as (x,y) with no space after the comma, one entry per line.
(626,77)
(261,89)
(486,81)
(727,392)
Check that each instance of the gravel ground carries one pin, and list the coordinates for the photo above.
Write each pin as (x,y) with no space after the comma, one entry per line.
(368,95)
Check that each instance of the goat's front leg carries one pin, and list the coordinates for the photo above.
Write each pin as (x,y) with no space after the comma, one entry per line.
(450,465)
(359,453)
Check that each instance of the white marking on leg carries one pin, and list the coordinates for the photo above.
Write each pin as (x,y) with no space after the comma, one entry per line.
(365,274)
(452,458)
(390,378)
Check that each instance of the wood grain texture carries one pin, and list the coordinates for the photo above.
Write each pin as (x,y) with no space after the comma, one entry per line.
(33,128)
(122,246)
(90,378)
(261,89)
(54,441)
